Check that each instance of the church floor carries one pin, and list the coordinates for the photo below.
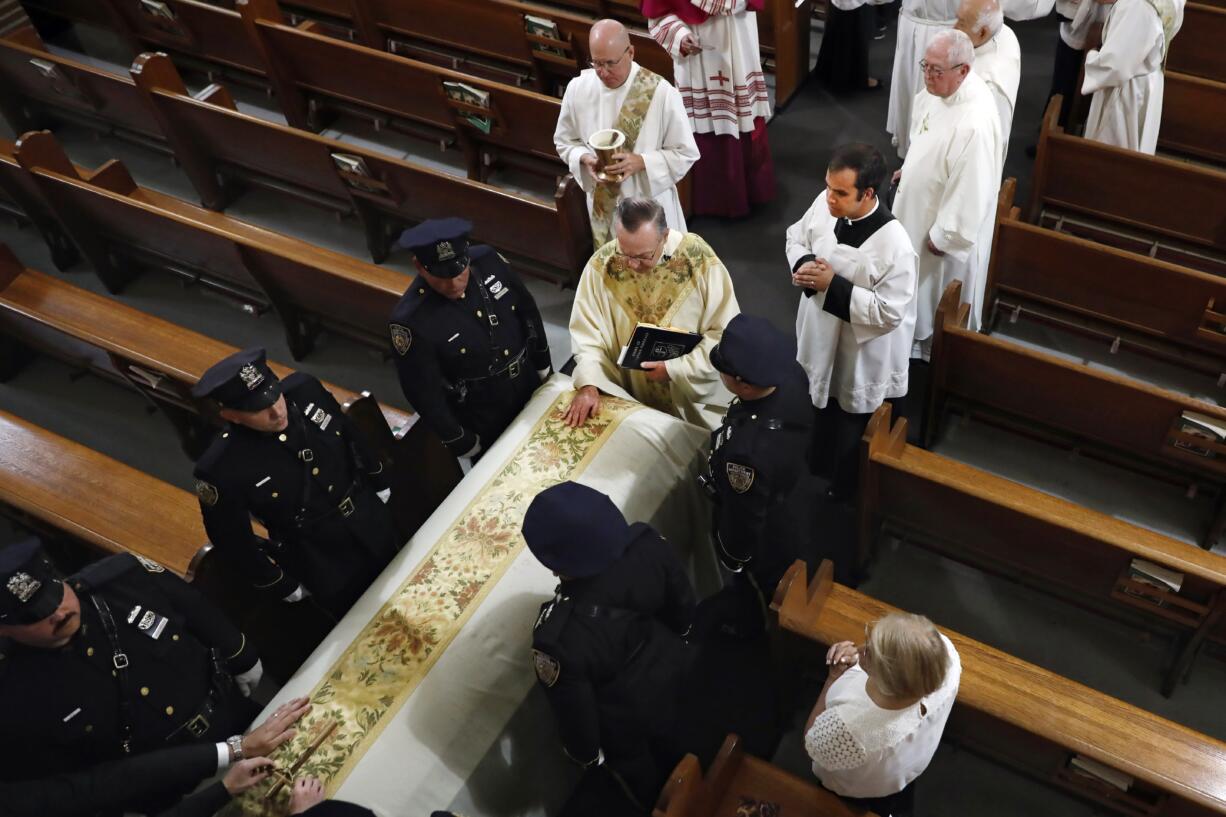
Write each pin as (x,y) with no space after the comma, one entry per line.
(1103,654)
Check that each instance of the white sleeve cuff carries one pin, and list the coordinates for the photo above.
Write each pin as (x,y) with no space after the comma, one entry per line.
(223,756)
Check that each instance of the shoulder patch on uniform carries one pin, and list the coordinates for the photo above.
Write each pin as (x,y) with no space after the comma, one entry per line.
(207,492)
(740,477)
(402,338)
(149,564)
(547,667)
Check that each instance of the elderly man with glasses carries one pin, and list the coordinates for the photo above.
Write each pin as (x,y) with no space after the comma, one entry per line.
(618,93)
(946,198)
(652,275)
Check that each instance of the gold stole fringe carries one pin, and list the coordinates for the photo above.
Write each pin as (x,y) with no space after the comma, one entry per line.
(382,667)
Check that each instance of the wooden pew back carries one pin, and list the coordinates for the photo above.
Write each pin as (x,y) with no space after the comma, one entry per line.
(1032,718)
(1197,48)
(1129,190)
(1193,109)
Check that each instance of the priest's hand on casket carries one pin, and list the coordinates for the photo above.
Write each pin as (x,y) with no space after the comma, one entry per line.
(586,403)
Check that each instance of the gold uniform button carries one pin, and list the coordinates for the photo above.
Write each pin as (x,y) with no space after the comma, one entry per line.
(512,307)
(170,710)
(174,637)
(421,290)
(89,651)
(315,472)
(225,434)
(480,314)
(506,352)
(144,692)
(329,489)
(282,438)
(89,727)
(275,495)
(463,351)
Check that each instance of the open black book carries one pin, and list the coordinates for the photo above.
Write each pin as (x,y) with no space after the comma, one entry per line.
(650,342)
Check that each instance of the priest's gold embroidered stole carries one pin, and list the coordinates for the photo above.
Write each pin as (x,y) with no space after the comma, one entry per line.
(384,664)
(630,122)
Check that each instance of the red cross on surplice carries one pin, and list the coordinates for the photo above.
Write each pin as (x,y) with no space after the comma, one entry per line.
(720,78)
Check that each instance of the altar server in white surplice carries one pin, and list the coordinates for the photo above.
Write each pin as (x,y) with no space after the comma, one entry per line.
(856,267)
(1125,73)
(998,57)
(616,92)
(918,22)
(946,198)
(650,274)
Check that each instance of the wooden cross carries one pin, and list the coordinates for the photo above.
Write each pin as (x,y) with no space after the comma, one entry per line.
(720,78)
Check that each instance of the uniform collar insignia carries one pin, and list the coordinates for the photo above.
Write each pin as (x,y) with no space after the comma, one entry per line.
(251,376)
(23,586)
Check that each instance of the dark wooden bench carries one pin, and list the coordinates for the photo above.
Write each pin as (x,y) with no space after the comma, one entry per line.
(115,223)
(1197,48)
(163,361)
(1124,199)
(1045,542)
(735,777)
(20,198)
(212,139)
(1193,110)
(1031,719)
(1115,418)
(1126,299)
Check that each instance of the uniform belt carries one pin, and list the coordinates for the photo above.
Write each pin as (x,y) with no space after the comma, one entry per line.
(512,370)
(345,508)
(198,725)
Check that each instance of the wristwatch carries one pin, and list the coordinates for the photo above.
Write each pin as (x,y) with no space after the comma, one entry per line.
(235,742)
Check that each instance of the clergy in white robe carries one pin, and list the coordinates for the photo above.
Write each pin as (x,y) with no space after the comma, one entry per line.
(1125,73)
(718,67)
(650,274)
(854,325)
(998,58)
(946,198)
(619,93)
(918,22)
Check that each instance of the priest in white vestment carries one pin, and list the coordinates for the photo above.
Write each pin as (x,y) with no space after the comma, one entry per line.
(946,198)
(650,274)
(998,57)
(918,22)
(616,92)
(854,325)
(1125,73)
(718,67)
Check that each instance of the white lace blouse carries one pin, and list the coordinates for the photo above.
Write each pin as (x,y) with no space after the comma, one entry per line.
(861,750)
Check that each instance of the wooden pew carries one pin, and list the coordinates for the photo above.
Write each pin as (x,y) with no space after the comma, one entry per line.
(1197,48)
(1126,199)
(1153,307)
(1031,719)
(19,197)
(736,776)
(312,74)
(163,361)
(115,223)
(212,139)
(1193,109)
(1117,418)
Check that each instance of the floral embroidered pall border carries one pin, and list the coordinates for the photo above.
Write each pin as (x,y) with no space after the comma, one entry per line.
(380,669)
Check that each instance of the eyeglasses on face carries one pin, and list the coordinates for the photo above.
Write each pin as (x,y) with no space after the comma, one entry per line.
(608,65)
(935,71)
(645,258)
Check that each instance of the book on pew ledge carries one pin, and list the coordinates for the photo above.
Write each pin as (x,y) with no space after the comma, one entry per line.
(473,97)
(1203,426)
(1155,575)
(543,27)
(1086,767)
(650,342)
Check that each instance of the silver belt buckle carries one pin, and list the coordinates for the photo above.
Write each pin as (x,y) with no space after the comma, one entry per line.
(513,370)
(197,726)
(346,507)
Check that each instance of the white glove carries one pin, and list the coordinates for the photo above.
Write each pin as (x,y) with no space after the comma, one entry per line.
(543,374)
(249,680)
(384,495)
(475,450)
(298,595)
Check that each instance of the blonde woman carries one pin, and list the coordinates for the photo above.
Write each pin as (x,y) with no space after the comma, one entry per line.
(879,718)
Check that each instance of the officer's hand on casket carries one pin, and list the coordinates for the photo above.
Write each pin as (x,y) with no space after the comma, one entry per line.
(270,734)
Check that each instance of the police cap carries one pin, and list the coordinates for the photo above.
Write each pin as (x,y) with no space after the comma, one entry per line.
(574,530)
(242,382)
(753,350)
(30,587)
(440,244)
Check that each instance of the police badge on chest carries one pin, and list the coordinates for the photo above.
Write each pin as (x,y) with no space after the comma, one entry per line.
(319,417)
(148,622)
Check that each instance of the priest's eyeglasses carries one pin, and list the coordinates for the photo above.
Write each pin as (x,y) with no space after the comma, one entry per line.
(608,65)
(645,258)
(935,71)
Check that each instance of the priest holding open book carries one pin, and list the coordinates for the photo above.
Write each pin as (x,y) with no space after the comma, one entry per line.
(663,278)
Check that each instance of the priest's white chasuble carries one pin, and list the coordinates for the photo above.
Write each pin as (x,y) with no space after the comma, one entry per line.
(689,289)
(947,195)
(665,140)
(999,63)
(1125,73)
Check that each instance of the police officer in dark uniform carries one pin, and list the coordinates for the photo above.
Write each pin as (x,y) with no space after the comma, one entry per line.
(608,649)
(291,458)
(469,344)
(757,459)
(121,658)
